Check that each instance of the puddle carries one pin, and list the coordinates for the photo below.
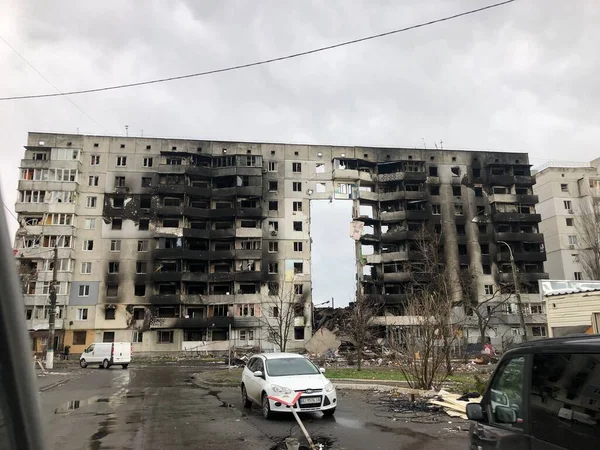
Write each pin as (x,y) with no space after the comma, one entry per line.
(349,423)
(323,442)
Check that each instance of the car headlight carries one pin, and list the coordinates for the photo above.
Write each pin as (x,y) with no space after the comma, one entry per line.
(329,387)
(280,389)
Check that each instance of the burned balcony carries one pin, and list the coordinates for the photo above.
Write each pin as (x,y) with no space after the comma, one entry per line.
(352,169)
(516,217)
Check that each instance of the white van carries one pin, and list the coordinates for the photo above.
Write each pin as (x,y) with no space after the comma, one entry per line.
(106,354)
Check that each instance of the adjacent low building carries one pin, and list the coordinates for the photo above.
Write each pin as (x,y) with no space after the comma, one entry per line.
(573,307)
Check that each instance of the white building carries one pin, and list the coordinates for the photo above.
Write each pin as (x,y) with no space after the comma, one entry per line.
(562,189)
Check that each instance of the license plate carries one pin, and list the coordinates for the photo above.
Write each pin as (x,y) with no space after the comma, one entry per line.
(310,401)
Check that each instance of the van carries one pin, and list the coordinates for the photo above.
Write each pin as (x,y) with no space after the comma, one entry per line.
(106,354)
(544,395)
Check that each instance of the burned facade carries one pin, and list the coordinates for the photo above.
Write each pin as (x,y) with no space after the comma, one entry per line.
(172,243)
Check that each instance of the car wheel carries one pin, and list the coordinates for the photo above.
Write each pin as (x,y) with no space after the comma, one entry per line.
(329,412)
(83,363)
(266,408)
(245,400)
(124,366)
(105,364)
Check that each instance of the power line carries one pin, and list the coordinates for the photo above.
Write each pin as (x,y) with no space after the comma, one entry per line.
(262,62)
(10,212)
(51,84)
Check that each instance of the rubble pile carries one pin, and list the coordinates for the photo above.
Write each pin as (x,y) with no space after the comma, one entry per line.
(454,405)
(408,408)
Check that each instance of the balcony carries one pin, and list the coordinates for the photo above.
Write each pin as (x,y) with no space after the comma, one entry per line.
(248,254)
(165,299)
(237,191)
(394,256)
(352,175)
(241,171)
(418,215)
(33,185)
(368,196)
(369,239)
(42,324)
(417,195)
(50,164)
(513,217)
(392,216)
(502,180)
(394,236)
(171,169)
(168,232)
(222,213)
(198,171)
(166,276)
(249,212)
(519,237)
(522,256)
(45,252)
(199,213)
(506,277)
(221,234)
(391,196)
(249,275)
(525,199)
(514,319)
(169,210)
(248,232)
(524,180)
(60,230)
(193,322)
(397,277)
(65,208)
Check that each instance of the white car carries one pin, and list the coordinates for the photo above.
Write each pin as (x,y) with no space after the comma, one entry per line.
(283,376)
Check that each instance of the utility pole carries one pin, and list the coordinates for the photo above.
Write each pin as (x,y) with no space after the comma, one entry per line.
(517,291)
(52,316)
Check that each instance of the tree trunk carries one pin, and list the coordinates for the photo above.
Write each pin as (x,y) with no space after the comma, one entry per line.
(359,358)
(447,355)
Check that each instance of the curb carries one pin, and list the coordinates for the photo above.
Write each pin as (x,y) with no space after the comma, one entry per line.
(54,385)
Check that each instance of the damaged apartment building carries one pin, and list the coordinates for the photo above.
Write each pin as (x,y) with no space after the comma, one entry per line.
(182,244)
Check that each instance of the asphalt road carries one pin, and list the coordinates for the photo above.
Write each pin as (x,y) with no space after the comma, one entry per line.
(158,407)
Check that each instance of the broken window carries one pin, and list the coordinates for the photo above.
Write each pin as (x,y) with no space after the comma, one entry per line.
(273,267)
(455,171)
(273,247)
(170,223)
(476,173)
(272,166)
(297,206)
(121,160)
(462,249)
(458,209)
(297,246)
(165,337)
(141,267)
(320,168)
(142,246)
(93,180)
(298,267)
(460,230)
(117,224)
(146,181)
(296,167)
(298,289)
(139,290)
(456,191)
(485,249)
(297,186)
(115,245)
(144,224)
(113,267)
(433,171)
(109,313)
(108,336)
(147,162)
(478,191)
(119,181)
(272,186)
(273,288)
(297,225)
(487,269)
(273,205)
(299,333)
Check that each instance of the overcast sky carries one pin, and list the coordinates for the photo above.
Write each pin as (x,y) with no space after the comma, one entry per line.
(522,77)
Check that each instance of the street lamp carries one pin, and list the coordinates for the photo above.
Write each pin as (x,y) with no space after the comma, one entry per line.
(514,277)
(516,287)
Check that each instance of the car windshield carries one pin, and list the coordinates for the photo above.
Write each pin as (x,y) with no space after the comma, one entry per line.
(282,367)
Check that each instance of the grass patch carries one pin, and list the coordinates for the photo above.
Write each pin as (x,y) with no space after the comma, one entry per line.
(366,374)
(223,377)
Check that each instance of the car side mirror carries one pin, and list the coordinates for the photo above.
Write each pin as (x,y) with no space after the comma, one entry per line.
(322,370)
(257,373)
(475,412)
(504,414)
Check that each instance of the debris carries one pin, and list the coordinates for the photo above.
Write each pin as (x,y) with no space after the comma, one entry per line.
(454,405)
(322,342)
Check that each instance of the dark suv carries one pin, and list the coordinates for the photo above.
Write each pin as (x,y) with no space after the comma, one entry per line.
(544,395)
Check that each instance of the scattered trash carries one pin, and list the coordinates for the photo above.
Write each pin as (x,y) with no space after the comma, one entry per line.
(455,405)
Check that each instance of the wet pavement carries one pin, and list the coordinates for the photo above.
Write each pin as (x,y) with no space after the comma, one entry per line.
(158,407)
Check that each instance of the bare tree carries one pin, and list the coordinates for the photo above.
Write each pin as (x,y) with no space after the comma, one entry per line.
(485,308)
(279,309)
(588,231)
(357,324)
(428,340)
